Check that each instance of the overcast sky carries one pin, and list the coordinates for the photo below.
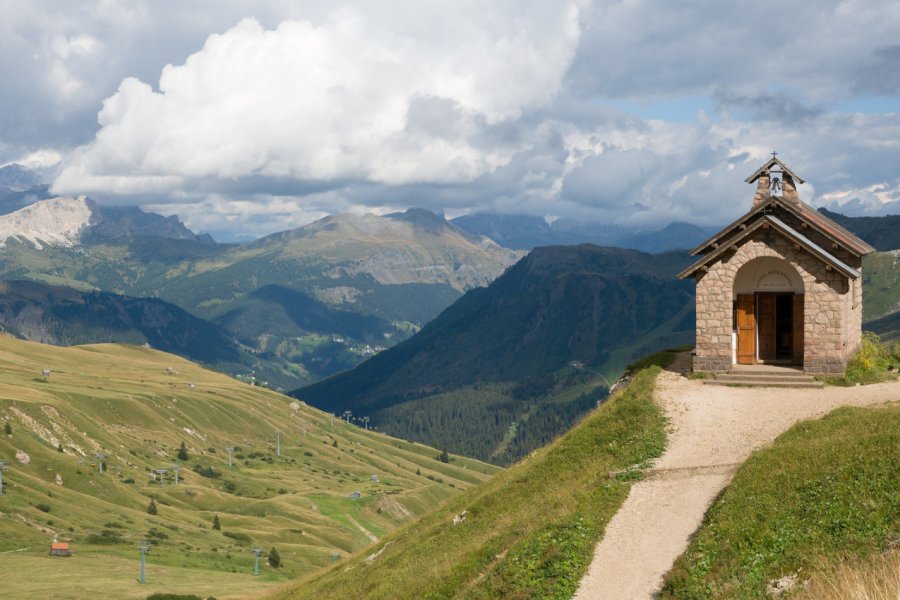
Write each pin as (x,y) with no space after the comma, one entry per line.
(252,117)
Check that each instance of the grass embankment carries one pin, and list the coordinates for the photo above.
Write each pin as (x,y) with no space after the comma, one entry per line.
(529,532)
(119,401)
(826,491)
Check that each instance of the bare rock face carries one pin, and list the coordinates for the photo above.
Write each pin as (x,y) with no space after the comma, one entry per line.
(22,457)
(58,480)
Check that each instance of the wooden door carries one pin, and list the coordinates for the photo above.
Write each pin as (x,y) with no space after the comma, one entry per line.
(746,329)
(765,323)
(798,329)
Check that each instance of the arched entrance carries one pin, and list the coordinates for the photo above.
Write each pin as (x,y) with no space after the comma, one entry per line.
(768,313)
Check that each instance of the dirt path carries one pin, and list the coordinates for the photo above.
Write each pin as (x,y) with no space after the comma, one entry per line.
(713,430)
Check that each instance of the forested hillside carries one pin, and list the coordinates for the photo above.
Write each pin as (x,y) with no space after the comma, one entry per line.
(508,367)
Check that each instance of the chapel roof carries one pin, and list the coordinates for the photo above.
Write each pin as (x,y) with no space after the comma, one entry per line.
(771,221)
(803,211)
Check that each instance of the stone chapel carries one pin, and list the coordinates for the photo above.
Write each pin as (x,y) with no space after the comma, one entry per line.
(781,285)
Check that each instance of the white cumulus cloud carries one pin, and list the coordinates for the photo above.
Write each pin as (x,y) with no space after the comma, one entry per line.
(344,99)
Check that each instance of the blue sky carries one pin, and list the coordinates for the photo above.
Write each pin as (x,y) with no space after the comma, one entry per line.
(251,117)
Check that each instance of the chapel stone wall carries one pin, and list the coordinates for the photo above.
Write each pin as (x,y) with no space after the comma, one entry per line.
(831,327)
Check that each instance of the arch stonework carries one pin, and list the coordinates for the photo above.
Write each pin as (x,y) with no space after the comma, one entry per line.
(832,305)
(767,274)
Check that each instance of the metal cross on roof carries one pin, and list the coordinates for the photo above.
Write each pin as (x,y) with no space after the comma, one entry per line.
(774,154)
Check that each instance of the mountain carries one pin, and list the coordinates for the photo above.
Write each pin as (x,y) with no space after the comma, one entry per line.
(674,236)
(69,222)
(56,222)
(19,187)
(492,376)
(111,223)
(524,232)
(135,407)
(405,248)
(881,284)
(367,281)
(881,232)
(887,327)
(64,316)
(18,178)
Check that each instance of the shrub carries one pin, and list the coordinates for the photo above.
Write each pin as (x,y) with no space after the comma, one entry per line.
(870,361)
(151,508)
(274,558)
(43,507)
(7,428)
(207,471)
(238,537)
(107,536)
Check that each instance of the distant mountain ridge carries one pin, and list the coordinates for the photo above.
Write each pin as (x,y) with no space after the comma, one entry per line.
(389,275)
(69,222)
(18,178)
(881,232)
(527,232)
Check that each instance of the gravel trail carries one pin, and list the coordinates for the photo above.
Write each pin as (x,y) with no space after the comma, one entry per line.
(713,430)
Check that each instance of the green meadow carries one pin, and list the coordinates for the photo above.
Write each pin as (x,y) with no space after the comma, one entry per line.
(137,406)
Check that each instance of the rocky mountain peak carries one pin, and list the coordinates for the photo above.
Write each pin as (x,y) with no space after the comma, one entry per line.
(55,222)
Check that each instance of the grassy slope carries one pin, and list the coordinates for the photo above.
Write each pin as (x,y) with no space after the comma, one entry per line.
(826,490)
(881,292)
(117,400)
(527,533)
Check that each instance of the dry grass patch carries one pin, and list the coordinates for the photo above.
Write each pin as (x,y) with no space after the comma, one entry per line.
(875,579)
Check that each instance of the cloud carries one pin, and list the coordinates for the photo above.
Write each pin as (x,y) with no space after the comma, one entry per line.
(334,101)
(882,74)
(766,107)
(637,112)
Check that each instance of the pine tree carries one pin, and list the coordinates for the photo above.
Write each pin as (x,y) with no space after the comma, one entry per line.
(151,508)
(274,558)
(216,524)
(182,452)
(445,458)
(7,428)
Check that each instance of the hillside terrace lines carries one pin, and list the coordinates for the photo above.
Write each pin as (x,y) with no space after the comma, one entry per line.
(138,424)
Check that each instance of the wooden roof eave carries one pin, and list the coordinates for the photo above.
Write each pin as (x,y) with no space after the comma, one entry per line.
(785,230)
(806,213)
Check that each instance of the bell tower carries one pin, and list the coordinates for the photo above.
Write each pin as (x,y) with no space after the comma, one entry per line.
(775,179)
